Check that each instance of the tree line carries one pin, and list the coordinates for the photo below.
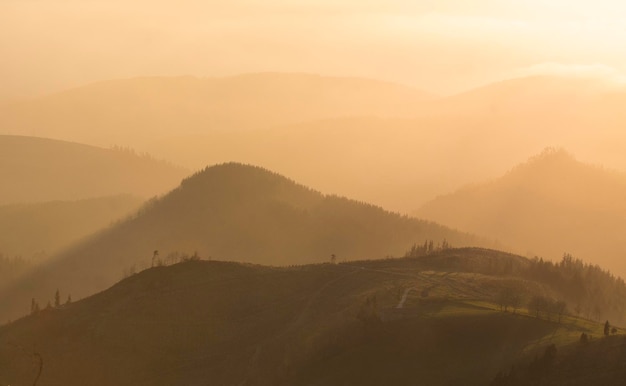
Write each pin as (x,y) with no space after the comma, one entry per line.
(35,308)
(12,267)
(587,289)
(429,247)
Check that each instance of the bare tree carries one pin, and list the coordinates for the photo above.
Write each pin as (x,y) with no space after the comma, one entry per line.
(537,304)
(508,297)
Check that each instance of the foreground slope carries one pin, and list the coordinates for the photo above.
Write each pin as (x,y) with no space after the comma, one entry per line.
(589,361)
(548,206)
(231,212)
(428,320)
(37,169)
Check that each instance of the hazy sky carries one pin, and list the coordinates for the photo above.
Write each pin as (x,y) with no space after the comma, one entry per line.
(442,46)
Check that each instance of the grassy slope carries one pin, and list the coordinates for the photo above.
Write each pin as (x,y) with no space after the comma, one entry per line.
(228,324)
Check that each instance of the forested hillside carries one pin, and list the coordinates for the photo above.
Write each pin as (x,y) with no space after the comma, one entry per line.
(548,206)
(39,169)
(231,212)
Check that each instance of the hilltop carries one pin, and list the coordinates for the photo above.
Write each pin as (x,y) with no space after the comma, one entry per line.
(548,206)
(432,320)
(231,212)
(38,169)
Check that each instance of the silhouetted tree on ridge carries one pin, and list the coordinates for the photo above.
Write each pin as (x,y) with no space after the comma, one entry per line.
(57,299)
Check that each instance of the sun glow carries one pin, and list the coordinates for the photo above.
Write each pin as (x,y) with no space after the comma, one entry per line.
(445,46)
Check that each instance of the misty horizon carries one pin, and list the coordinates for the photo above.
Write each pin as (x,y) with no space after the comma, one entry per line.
(312,192)
(166,40)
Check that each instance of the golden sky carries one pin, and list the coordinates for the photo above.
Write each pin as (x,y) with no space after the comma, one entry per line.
(442,46)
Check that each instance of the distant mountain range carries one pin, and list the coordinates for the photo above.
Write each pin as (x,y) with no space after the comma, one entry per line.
(548,206)
(37,170)
(535,97)
(342,135)
(131,111)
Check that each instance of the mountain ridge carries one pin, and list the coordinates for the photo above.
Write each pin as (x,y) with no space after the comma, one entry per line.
(550,205)
(234,212)
(149,107)
(66,170)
